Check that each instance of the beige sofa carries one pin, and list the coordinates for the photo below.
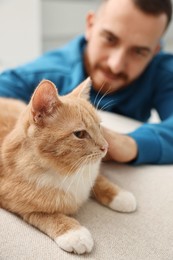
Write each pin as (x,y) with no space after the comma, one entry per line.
(146,234)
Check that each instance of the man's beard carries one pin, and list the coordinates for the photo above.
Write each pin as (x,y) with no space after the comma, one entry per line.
(105,86)
(115,76)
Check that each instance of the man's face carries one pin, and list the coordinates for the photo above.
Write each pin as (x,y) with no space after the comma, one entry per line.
(121,42)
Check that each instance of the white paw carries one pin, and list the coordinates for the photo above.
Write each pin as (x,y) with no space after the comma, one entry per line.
(77,241)
(124,201)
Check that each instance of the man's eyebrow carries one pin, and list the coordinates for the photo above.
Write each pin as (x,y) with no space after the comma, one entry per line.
(105,31)
(143,48)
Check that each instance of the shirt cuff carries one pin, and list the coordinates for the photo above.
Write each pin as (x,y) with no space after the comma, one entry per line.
(149,147)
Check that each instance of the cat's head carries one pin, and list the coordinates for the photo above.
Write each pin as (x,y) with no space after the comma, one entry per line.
(65,130)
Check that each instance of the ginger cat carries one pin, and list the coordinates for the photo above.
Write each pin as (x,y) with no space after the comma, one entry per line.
(50,153)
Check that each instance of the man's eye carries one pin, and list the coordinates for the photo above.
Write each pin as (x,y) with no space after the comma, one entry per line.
(110,38)
(140,52)
(81,134)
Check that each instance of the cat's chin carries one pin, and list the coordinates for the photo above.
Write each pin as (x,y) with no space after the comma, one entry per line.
(94,157)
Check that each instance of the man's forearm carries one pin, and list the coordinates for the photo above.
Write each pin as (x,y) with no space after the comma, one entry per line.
(122,148)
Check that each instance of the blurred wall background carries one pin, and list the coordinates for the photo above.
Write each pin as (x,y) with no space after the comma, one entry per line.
(31,27)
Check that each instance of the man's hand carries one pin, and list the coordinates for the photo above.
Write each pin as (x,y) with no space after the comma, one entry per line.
(122,148)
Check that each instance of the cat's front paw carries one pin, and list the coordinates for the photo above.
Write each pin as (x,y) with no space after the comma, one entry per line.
(78,241)
(124,201)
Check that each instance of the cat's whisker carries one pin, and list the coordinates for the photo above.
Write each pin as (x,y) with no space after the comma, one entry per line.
(66,178)
(66,166)
(73,180)
(108,104)
(80,176)
(91,183)
(89,164)
(104,95)
(95,100)
(68,173)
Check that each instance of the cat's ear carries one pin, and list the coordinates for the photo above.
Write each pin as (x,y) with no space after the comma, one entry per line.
(83,90)
(44,101)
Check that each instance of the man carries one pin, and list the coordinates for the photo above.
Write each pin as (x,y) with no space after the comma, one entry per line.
(121,53)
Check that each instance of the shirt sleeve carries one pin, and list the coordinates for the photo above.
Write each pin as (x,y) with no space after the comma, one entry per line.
(155,143)
(13,84)
(20,82)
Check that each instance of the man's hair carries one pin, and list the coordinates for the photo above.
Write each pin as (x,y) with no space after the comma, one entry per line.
(154,7)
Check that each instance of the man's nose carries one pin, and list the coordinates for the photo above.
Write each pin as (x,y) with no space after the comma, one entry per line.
(117,61)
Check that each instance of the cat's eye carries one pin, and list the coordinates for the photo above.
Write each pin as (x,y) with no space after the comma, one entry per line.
(81,134)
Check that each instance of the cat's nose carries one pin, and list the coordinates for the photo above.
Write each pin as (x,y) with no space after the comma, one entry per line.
(104,147)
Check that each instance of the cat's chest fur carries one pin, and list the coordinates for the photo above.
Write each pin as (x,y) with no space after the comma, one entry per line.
(70,189)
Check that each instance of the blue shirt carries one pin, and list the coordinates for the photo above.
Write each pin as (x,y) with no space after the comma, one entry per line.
(153,89)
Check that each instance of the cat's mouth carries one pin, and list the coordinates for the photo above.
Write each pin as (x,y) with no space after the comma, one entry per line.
(93,157)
